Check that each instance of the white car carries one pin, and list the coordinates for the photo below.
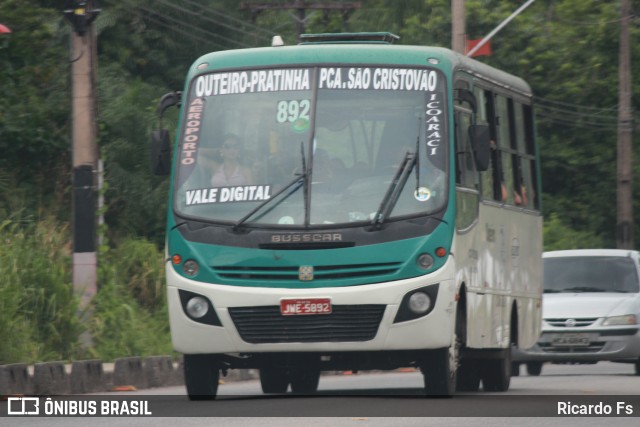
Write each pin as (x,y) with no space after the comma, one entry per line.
(590,309)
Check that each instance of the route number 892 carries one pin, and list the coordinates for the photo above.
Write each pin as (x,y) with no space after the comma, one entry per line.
(290,111)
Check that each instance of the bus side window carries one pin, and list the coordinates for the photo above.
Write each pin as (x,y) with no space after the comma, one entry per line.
(526,156)
(504,146)
(487,177)
(496,187)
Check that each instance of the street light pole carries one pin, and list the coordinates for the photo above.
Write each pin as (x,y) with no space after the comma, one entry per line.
(499,27)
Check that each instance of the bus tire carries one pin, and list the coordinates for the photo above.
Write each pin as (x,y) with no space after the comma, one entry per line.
(201,376)
(274,380)
(439,371)
(515,369)
(440,367)
(305,381)
(496,373)
(534,368)
(467,377)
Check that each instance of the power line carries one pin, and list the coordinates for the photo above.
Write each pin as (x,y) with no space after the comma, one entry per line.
(206,18)
(183,32)
(551,101)
(185,24)
(231,18)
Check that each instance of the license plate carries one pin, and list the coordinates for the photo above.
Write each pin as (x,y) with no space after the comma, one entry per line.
(291,307)
(570,340)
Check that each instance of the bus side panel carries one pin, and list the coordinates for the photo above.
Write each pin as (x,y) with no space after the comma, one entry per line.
(500,262)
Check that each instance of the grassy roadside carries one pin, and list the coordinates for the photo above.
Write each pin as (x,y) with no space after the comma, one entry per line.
(39,318)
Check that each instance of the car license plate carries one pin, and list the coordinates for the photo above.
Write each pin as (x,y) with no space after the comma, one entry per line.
(570,340)
(290,307)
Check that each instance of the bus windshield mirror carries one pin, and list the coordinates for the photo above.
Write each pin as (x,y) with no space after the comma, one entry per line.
(395,188)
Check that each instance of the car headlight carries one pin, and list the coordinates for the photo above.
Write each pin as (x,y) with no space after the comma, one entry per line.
(627,319)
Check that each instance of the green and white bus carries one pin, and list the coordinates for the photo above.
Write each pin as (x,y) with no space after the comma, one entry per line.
(350,204)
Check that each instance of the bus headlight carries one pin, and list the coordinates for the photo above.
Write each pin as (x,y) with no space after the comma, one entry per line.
(190,268)
(197,307)
(419,302)
(425,261)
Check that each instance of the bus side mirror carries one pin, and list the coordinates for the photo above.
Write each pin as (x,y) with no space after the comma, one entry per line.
(481,144)
(160,152)
(160,141)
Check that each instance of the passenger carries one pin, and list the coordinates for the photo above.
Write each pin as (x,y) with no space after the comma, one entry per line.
(229,172)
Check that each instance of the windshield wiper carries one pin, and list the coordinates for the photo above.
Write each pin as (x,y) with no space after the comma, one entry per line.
(584,289)
(299,179)
(395,188)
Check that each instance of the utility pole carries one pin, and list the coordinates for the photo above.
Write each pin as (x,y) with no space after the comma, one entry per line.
(81,14)
(300,7)
(458,24)
(624,221)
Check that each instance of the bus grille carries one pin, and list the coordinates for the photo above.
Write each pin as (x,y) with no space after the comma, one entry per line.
(258,325)
(326,272)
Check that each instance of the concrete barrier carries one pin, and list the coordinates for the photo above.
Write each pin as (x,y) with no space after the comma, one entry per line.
(158,370)
(129,371)
(94,376)
(87,376)
(50,378)
(15,379)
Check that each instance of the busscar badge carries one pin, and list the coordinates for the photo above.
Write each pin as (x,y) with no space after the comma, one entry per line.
(305,273)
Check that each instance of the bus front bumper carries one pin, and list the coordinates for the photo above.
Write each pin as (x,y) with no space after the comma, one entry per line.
(431,331)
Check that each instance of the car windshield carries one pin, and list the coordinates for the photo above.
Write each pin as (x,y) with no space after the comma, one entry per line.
(590,274)
(312,146)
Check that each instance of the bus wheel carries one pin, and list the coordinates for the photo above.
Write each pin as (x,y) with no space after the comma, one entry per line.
(201,376)
(274,380)
(638,367)
(440,372)
(468,378)
(439,369)
(534,368)
(515,369)
(305,381)
(496,373)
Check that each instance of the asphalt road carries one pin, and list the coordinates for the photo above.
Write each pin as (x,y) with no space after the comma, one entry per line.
(392,399)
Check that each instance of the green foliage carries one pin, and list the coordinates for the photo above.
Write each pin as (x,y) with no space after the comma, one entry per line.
(35,92)
(558,235)
(129,314)
(38,312)
(39,316)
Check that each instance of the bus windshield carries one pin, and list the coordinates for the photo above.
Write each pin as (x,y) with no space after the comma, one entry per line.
(312,146)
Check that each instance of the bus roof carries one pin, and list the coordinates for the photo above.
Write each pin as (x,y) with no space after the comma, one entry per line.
(354,53)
